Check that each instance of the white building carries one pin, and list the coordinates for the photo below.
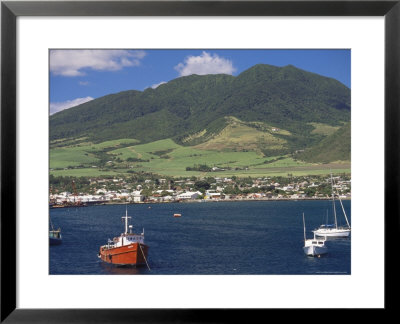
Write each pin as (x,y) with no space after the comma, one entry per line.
(93,198)
(288,188)
(211,194)
(137,197)
(168,190)
(189,195)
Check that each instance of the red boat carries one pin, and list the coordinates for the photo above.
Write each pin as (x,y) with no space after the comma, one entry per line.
(127,249)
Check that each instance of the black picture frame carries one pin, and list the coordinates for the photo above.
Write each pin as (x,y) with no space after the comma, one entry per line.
(10,10)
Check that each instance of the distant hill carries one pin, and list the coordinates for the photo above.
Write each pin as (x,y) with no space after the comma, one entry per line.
(281,103)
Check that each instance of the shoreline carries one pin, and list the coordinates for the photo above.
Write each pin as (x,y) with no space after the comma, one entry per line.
(194,201)
(222,200)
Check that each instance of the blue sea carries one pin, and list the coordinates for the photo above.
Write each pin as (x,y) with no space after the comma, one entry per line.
(219,238)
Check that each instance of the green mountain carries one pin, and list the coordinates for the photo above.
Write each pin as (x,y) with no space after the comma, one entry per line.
(284,102)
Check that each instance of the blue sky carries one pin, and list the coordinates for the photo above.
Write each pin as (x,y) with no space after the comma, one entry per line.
(77,76)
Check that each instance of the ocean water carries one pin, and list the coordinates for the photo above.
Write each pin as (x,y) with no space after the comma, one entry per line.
(253,237)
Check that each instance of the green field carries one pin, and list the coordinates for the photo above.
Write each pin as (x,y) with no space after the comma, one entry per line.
(323,129)
(239,136)
(70,157)
(165,157)
(280,173)
(312,170)
(84,172)
(145,151)
(84,153)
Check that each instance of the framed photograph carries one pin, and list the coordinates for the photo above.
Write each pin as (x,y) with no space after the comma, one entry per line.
(251,149)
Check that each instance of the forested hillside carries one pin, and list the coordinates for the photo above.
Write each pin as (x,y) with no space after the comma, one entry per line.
(282,102)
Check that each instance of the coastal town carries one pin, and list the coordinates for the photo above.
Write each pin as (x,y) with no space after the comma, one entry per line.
(148,188)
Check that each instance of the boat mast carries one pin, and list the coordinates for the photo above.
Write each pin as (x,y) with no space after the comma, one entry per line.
(52,228)
(333,201)
(345,216)
(126,219)
(304,226)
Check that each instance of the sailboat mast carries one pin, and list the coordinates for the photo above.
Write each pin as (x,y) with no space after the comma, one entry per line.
(333,201)
(304,226)
(344,212)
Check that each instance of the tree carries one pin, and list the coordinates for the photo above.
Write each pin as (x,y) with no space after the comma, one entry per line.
(210,180)
(146,192)
(232,190)
(164,193)
(201,184)
(310,192)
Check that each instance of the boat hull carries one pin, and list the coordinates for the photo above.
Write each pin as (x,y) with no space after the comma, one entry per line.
(132,254)
(332,233)
(315,250)
(55,241)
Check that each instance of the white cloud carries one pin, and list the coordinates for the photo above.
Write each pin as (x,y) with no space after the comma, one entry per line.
(206,63)
(158,84)
(73,62)
(58,106)
(83,83)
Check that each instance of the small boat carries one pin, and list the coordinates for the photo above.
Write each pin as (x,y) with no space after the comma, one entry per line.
(55,237)
(333,230)
(126,249)
(58,206)
(177,215)
(313,247)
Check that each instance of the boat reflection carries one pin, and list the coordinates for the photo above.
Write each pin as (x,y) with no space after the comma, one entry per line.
(123,270)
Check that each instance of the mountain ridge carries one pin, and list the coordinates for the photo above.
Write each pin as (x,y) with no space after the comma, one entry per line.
(283,97)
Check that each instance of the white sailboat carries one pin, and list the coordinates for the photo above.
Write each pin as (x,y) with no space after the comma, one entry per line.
(333,230)
(313,247)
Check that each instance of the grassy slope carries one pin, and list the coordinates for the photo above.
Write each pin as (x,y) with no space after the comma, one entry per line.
(168,158)
(336,147)
(324,129)
(81,154)
(240,136)
(66,157)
